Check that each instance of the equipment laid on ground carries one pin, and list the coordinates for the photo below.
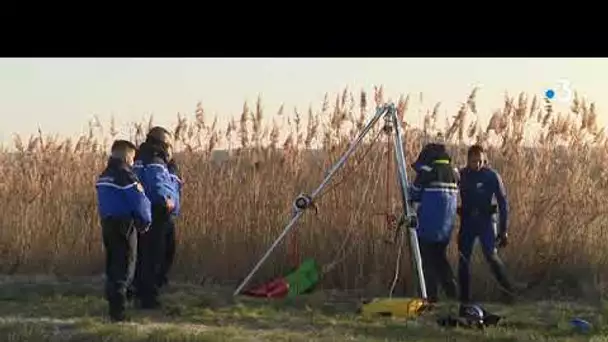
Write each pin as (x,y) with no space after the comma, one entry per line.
(394,307)
(407,219)
(470,316)
(580,325)
(301,280)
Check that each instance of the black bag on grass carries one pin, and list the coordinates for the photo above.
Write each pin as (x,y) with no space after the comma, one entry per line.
(470,316)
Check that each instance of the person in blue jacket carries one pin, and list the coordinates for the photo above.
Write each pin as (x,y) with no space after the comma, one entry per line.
(167,261)
(435,191)
(124,209)
(160,186)
(479,186)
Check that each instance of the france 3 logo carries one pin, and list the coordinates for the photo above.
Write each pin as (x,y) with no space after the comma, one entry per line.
(561,92)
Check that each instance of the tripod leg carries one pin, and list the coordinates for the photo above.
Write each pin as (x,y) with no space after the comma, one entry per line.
(300,208)
(409,213)
(415,249)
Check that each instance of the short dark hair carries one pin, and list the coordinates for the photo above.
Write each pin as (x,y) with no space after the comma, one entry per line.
(158,134)
(431,152)
(475,150)
(122,145)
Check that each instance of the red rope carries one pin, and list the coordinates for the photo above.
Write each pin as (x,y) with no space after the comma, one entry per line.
(389,158)
(294,245)
(390,218)
(294,249)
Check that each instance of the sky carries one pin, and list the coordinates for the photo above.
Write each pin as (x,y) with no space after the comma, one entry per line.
(61,95)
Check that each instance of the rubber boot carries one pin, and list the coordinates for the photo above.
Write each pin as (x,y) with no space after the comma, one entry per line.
(148,303)
(117,312)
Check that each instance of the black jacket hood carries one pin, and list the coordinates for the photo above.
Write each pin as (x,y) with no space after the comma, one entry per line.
(150,150)
(430,153)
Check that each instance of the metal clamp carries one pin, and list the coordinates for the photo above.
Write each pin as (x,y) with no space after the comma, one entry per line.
(387,128)
(410,221)
(302,202)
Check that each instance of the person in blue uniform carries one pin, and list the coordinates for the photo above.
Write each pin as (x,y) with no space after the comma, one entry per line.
(160,186)
(479,186)
(124,210)
(435,191)
(169,236)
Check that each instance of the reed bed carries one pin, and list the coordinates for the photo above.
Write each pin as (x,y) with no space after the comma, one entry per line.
(237,200)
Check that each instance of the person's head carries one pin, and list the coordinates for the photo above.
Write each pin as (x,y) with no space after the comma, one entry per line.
(162,137)
(476,157)
(429,154)
(124,150)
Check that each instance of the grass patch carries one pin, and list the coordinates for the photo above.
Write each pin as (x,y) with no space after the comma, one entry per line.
(76,312)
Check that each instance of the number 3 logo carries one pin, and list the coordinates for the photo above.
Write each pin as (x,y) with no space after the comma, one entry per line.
(564,92)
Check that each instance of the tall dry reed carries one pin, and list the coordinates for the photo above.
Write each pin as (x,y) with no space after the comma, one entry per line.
(236,202)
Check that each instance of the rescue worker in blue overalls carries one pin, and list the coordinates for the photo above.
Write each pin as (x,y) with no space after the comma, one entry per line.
(151,166)
(479,185)
(435,191)
(124,210)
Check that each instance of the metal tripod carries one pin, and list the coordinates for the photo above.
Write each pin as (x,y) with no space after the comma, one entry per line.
(408,218)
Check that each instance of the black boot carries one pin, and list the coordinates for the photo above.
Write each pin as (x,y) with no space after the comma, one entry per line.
(117,317)
(117,312)
(507,296)
(130,294)
(148,304)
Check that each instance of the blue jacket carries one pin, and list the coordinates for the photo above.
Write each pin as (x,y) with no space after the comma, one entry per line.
(177,183)
(121,196)
(435,188)
(151,166)
(477,190)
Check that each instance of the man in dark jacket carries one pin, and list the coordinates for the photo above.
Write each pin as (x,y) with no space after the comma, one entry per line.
(151,166)
(435,190)
(479,185)
(124,209)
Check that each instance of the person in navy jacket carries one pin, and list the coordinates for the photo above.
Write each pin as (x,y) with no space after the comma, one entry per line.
(435,191)
(479,185)
(124,209)
(152,167)
(167,261)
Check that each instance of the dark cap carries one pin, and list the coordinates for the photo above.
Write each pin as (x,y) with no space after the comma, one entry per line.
(123,145)
(431,152)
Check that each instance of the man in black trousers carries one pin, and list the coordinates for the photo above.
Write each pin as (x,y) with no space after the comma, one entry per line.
(163,189)
(124,209)
(169,237)
(435,191)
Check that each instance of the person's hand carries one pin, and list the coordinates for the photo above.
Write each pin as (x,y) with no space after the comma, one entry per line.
(141,227)
(502,240)
(169,204)
(144,230)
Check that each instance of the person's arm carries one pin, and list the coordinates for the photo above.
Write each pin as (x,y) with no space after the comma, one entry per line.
(420,182)
(158,179)
(140,206)
(175,174)
(503,205)
(177,184)
(460,181)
